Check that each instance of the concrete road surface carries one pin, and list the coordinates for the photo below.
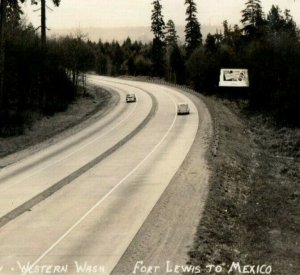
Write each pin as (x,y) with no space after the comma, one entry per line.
(86,197)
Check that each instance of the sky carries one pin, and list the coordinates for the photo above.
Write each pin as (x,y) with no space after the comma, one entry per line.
(128,13)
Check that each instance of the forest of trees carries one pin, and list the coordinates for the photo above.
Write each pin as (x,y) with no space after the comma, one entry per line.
(39,76)
(33,76)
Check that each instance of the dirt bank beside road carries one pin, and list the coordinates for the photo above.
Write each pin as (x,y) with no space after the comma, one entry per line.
(48,130)
(252,215)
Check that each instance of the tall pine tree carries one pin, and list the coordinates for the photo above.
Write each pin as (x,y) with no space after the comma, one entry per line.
(43,16)
(175,63)
(158,47)
(252,17)
(171,34)
(193,36)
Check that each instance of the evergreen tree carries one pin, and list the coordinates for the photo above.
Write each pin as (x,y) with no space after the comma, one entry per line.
(157,21)
(176,63)
(226,30)
(252,17)
(172,50)
(43,16)
(275,19)
(13,14)
(10,12)
(171,34)
(43,41)
(193,36)
(290,26)
(231,37)
(210,44)
(158,46)
(3,5)
(279,24)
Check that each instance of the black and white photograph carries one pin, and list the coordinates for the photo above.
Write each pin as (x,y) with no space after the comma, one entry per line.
(149,137)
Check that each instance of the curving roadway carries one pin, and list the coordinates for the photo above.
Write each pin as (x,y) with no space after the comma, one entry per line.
(82,200)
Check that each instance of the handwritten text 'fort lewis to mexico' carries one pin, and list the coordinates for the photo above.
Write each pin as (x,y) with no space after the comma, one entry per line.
(171,268)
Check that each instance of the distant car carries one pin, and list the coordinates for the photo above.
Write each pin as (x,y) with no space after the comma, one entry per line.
(183,109)
(130,98)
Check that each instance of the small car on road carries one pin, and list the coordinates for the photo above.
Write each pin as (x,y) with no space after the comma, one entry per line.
(130,98)
(183,109)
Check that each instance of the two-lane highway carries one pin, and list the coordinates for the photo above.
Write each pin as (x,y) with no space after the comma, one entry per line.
(114,172)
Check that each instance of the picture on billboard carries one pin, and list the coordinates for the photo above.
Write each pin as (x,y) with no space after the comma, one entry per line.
(234,78)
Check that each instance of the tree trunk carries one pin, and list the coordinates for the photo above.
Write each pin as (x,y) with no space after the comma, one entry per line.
(43,22)
(44,49)
(2,47)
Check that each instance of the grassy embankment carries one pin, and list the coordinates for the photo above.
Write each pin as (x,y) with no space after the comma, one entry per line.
(252,215)
(43,128)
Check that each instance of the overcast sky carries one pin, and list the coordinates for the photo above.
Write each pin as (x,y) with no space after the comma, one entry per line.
(118,13)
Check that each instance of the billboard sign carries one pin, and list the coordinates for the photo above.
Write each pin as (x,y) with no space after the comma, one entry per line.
(234,78)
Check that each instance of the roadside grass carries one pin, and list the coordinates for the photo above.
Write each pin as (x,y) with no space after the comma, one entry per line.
(252,215)
(42,128)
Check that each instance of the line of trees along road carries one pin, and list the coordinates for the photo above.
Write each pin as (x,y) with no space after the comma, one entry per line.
(33,77)
(42,78)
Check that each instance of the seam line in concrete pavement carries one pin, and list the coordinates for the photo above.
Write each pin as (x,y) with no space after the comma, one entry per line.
(107,194)
(68,179)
